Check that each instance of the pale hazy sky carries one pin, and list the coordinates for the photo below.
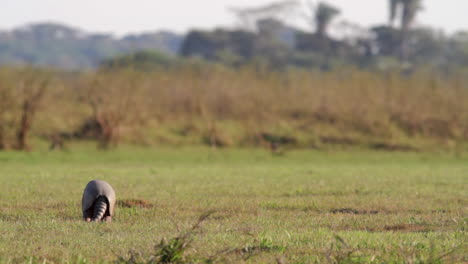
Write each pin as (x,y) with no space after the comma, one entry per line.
(124,16)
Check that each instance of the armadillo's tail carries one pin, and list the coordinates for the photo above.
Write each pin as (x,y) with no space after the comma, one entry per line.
(100,208)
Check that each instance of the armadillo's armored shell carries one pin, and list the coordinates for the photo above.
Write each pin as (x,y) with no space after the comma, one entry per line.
(95,189)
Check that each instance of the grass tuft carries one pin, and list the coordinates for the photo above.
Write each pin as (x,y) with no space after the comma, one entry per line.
(171,250)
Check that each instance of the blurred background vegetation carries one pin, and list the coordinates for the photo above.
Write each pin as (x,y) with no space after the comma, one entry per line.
(392,86)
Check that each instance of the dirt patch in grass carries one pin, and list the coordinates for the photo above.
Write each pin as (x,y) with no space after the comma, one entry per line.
(403,228)
(407,228)
(132,203)
(353,211)
(392,147)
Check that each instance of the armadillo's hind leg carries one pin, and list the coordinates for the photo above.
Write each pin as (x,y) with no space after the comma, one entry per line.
(100,208)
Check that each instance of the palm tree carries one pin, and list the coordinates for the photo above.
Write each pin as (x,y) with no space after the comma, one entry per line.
(324,14)
(408,9)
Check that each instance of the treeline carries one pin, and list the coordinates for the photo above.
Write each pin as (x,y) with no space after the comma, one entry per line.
(266,38)
(263,36)
(429,50)
(67,48)
(223,106)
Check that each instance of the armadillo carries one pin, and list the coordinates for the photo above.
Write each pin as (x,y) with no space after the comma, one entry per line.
(98,201)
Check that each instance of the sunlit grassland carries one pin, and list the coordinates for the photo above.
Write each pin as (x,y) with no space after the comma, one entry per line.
(401,207)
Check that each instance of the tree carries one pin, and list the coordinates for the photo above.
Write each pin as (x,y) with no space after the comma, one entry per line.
(324,15)
(210,45)
(248,17)
(22,94)
(410,10)
(31,90)
(320,16)
(407,9)
(145,60)
(387,40)
(115,98)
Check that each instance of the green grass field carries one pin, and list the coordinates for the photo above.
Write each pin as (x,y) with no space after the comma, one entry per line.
(303,207)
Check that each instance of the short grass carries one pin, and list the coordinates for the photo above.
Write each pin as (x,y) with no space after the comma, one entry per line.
(302,207)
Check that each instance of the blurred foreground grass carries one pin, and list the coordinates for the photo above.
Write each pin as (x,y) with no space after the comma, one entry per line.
(303,207)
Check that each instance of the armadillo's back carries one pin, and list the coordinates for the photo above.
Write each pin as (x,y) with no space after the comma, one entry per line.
(94,189)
